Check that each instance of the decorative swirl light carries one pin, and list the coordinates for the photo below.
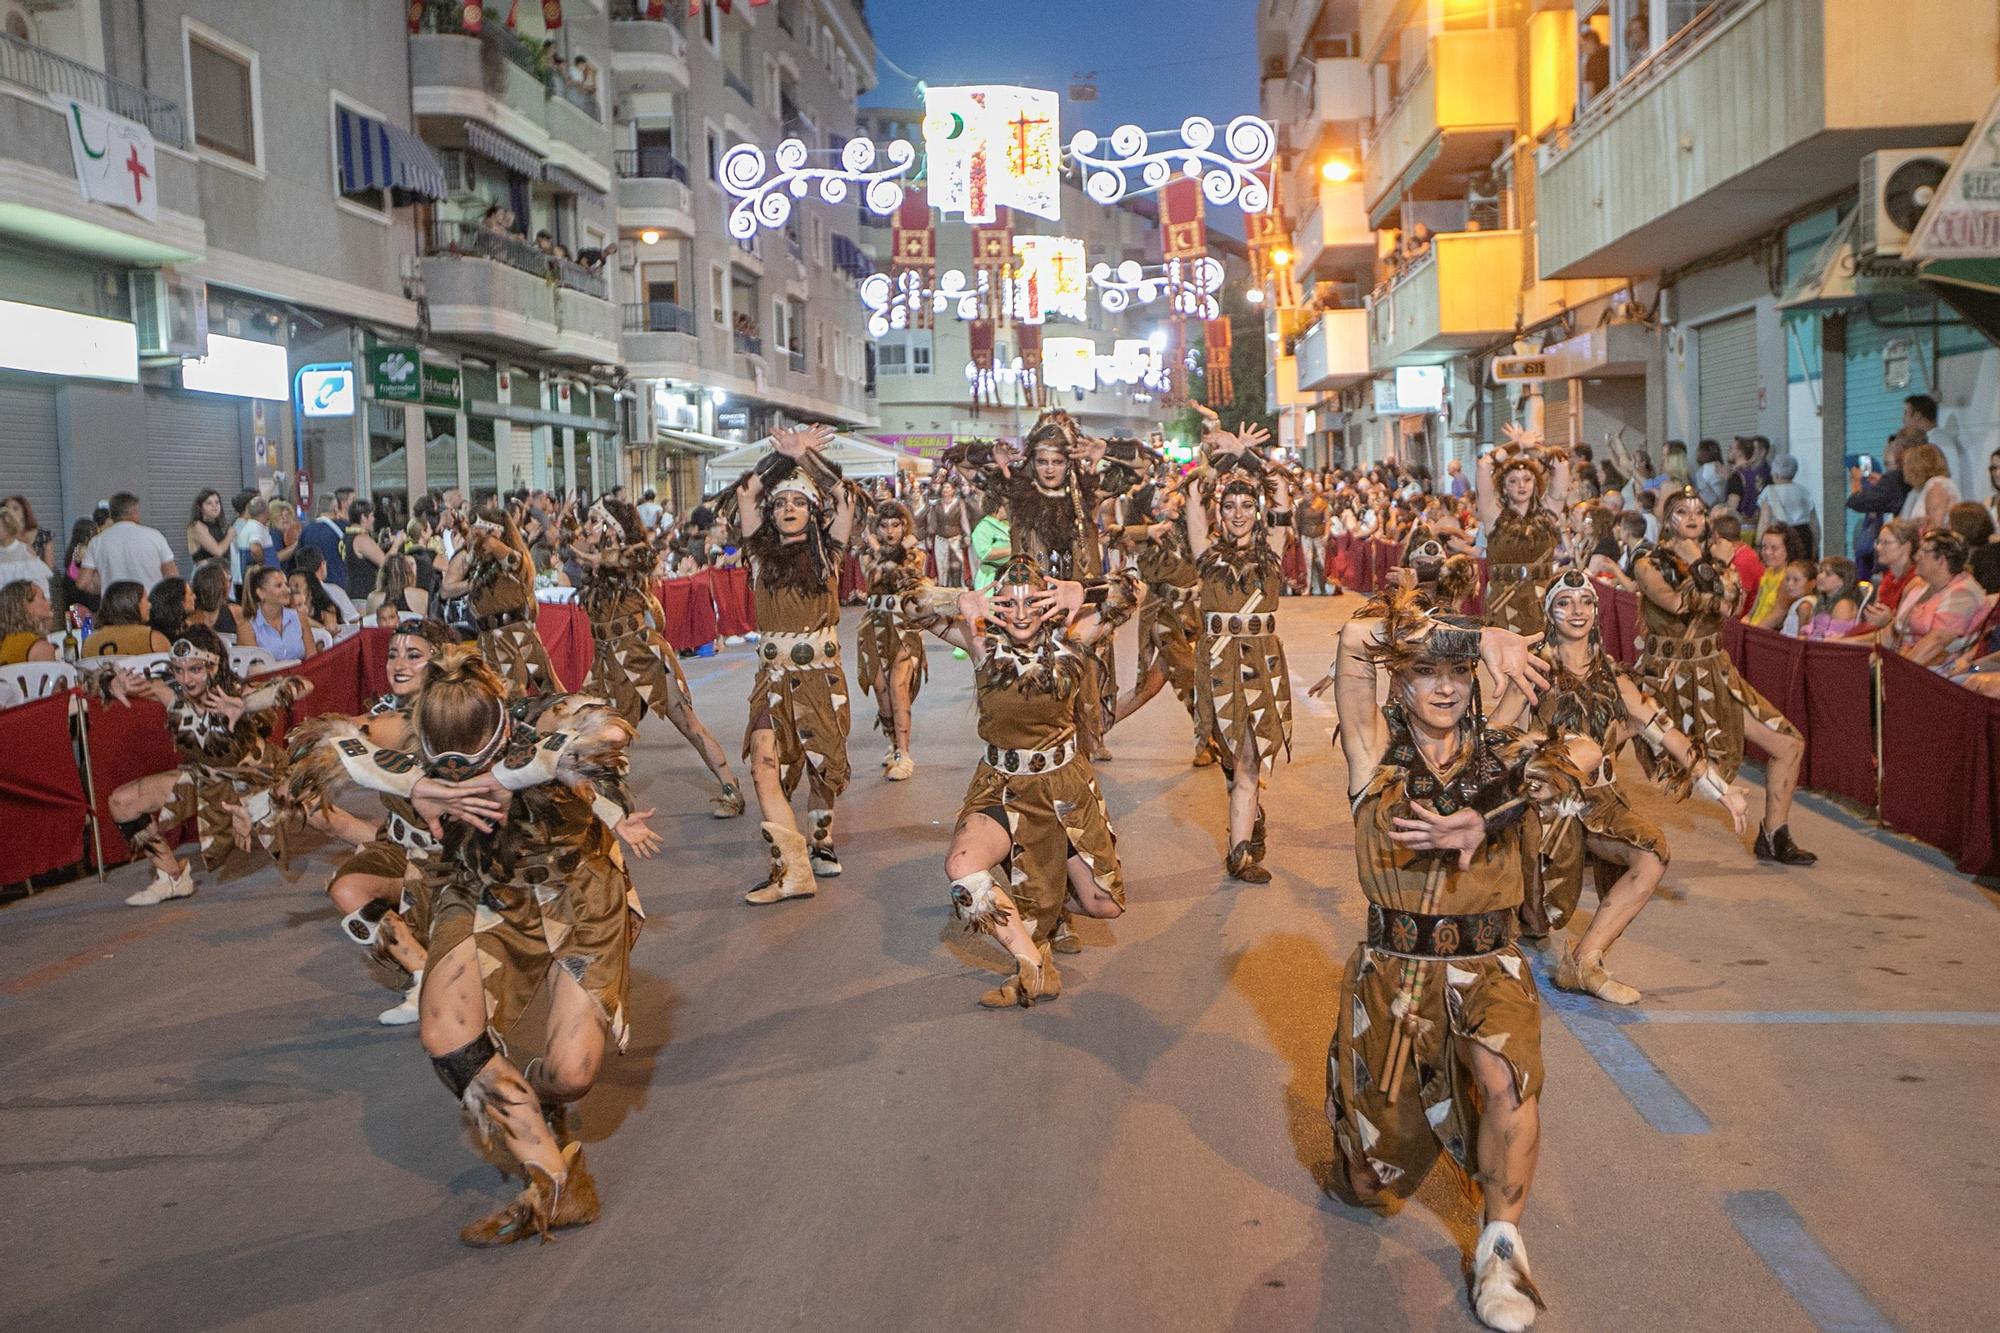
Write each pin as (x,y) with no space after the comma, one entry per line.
(892,300)
(1248,143)
(768,203)
(1189,288)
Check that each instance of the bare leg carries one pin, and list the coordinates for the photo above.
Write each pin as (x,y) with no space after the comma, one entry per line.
(1243,785)
(681,713)
(1626,898)
(451,1015)
(1781,774)
(143,798)
(1090,899)
(576,1042)
(773,806)
(902,676)
(885,709)
(1142,693)
(979,843)
(1510,1134)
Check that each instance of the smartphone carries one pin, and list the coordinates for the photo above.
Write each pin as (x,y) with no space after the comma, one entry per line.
(1867,465)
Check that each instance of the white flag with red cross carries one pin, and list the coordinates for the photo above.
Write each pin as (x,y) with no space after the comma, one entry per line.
(114,160)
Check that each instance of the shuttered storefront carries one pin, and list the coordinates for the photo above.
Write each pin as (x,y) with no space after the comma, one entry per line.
(194,442)
(30,459)
(1726,360)
(1874,410)
(1556,412)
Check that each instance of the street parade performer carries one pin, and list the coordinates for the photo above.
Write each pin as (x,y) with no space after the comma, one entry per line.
(945,529)
(1521,491)
(1438,1039)
(528,889)
(632,666)
(501,572)
(221,728)
(889,648)
(1170,618)
(796,515)
(1687,590)
(1033,812)
(1243,690)
(1589,823)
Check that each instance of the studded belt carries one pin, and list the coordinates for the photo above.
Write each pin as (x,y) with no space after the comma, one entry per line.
(1419,935)
(1177,593)
(1684,649)
(814,651)
(1004,760)
(631,624)
(1541,569)
(501,621)
(888,602)
(1218,623)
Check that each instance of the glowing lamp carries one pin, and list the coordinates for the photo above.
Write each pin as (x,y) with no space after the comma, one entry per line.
(1255,296)
(1337,170)
(651,236)
(1281,257)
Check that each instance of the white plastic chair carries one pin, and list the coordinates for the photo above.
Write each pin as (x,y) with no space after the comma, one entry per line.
(348,629)
(137,663)
(322,637)
(28,681)
(250,661)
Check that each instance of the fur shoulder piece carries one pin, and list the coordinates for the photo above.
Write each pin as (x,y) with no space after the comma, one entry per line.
(1050,665)
(801,567)
(1242,568)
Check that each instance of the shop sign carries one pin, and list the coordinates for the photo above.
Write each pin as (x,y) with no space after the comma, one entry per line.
(393,374)
(441,385)
(1520,369)
(327,391)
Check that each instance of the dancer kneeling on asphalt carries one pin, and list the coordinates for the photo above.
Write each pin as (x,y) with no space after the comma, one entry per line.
(1033,812)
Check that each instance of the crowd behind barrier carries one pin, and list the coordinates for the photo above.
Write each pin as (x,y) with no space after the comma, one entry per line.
(63,748)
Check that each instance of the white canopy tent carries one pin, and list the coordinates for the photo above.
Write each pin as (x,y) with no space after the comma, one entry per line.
(856,456)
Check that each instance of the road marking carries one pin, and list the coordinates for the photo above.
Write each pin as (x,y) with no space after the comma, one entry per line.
(1652,1094)
(62,967)
(1830,1298)
(1863,1017)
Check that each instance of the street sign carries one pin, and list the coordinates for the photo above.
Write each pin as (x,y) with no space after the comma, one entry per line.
(441,387)
(327,391)
(1520,369)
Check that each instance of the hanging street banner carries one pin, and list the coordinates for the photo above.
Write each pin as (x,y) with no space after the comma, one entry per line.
(114,160)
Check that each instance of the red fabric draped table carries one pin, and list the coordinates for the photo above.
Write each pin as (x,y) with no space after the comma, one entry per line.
(565,632)
(126,742)
(735,609)
(41,792)
(1938,777)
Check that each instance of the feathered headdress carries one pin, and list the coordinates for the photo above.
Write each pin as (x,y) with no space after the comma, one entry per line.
(1413,632)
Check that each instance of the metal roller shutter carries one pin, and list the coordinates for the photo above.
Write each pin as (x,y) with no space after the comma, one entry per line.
(1874,411)
(1557,413)
(193,442)
(30,459)
(1726,360)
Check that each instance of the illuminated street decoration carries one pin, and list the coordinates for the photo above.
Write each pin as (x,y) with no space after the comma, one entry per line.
(1069,363)
(1188,288)
(768,202)
(1227,175)
(1050,280)
(896,303)
(993,146)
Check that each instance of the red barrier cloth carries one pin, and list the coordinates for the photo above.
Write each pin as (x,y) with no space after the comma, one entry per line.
(1840,720)
(41,794)
(1775,666)
(852,582)
(336,679)
(690,610)
(374,661)
(1623,626)
(126,742)
(565,632)
(1475,605)
(1292,565)
(1938,777)
(1388,555)
(1340,561)
(735,611)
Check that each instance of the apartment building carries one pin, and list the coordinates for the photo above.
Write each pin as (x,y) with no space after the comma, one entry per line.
(724,338)
(922,377)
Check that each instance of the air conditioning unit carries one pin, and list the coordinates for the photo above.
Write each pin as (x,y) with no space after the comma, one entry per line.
(171,312)
(458,170)
(1897,185)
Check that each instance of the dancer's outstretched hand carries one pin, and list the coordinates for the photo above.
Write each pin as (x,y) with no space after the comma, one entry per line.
(1512,660)
(1737,802)
(633,832)
(1425,830)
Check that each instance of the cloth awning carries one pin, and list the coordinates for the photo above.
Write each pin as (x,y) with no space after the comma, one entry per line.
(850,258)
(856,455)
(494,146)
(1840,277)
(694,440)
(376,155)
(570,183)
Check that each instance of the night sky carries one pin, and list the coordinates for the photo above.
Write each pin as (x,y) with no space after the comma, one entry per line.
(1157,63)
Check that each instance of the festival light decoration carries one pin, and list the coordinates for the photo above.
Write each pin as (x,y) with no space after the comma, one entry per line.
(993,146)
(1050,279)
(768,202)
(897,302)
(1248,142)
(1069,363)
(1189,288)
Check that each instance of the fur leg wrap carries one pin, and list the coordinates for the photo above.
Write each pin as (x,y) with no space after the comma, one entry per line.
(141,834)
(975,901)
(364,924)
(458,1069)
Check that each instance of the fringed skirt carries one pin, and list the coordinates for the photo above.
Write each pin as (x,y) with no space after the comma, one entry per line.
(517,652)
(806,713)
(1707,698)
(881,642)
(1049,818)
(1242,687)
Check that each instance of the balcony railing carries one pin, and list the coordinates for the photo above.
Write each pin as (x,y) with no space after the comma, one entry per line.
(1659,63)
(504,247)
(658,317)
(650,164)
(539,62)
(749,343)
(60,77)
(583,99)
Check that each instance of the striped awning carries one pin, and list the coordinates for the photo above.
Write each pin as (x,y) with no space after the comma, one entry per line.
(569,182)
(494,146)
(376,155)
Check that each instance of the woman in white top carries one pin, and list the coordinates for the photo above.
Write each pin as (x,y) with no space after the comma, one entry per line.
(1932,493)
(1785,501)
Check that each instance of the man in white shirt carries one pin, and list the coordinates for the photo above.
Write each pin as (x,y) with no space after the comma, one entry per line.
(127,550)
(649,511)
(251,538)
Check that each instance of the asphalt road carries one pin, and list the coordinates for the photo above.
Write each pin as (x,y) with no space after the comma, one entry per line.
(201,1125)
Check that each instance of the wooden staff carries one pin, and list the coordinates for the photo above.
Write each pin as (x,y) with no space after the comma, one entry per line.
(1410,988)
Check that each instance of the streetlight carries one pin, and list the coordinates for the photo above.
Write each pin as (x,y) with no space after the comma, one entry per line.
(651,236)
(1281,257)
(1255,296)
(1337,170)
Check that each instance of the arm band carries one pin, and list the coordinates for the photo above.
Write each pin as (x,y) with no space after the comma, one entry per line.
(1279,518)
(391,771)
(1711,785)
(538,768)
(1504,816)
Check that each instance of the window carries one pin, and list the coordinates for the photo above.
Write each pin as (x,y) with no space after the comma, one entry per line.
(820,330)
(714,154)
(718,293)
(905,353)
(710,32)
(222,94)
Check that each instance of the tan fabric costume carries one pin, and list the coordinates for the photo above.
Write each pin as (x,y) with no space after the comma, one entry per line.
(399,852)
(1682,664)
(1474,983)
(504,606)
(800,691)
(1241,681)
(1170,617)
(1520,560)
(887,634)
(630,666)
(224,765)
(1035,779)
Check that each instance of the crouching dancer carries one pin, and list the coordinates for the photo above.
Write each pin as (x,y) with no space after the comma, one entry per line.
(1438,1043)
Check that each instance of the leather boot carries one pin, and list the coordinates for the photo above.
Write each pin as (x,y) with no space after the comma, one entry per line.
(791,870)
(1031,981)
(1778,846)
(1241,865)
(544,1206)
(1256,843)
(727,803)
(825,861)
(1585,973)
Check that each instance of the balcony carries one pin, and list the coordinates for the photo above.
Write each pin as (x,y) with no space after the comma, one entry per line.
(496,288)
(647,55)
(43,202)
(500,79)
(1334,234)
(653,192)
(1334,351)
(1381,23)
(1450,121)
(661,341)
(748,343)
(1674,162)
(1462,295)
(736,84)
